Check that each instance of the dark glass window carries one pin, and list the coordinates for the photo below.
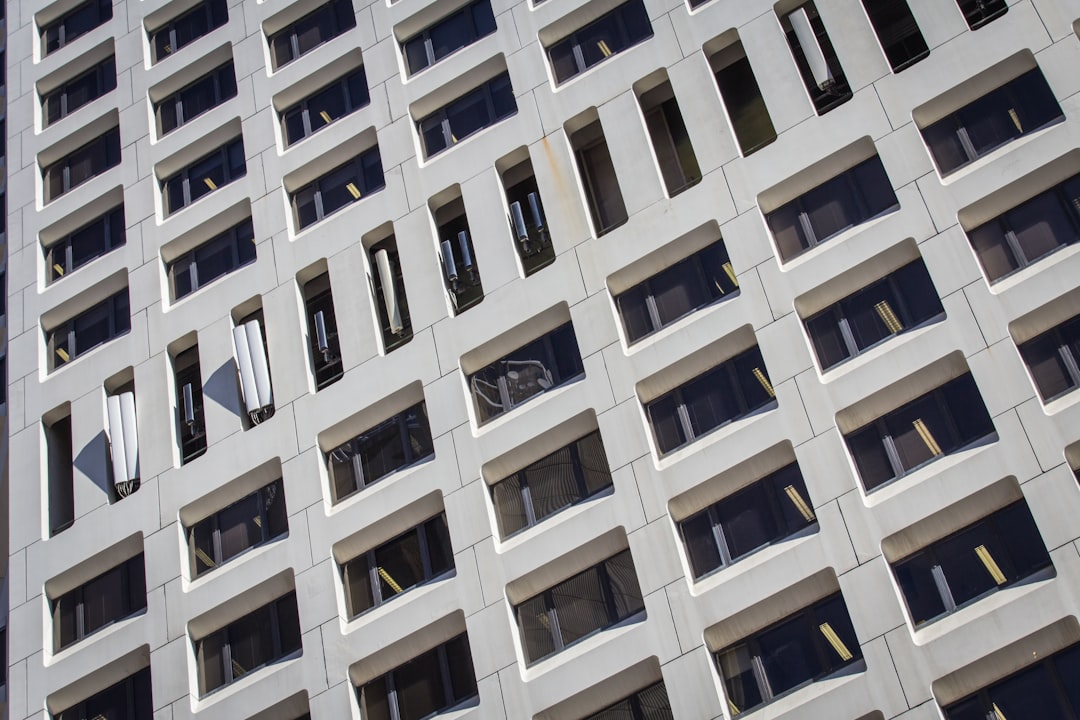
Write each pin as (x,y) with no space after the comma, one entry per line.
(322,331)
(79,91)
(205,175)
(1018,107)
(78,21)
(338,188)
(800,649)
(103,322)
(1045,690)
(191,425)
(92,240)
(82,164)
(267,635)
(590,601)
(129,699)
(730,391)
(193,100)
(995,552)
(571,474)
(527,221)
(310,31)
(388,286)
(413,558)
(1054,359)
(327,104)
(931,426)
(1030,231)
(530,370)
(425,686)
(608,35)
(897,32)
(649,703)
(847,200)
(676,291)
(215,258)
(61,476)
(979,12)
(598,178)
(187,28)
(745,106)
(670,140)
(816,59)
(772,509)
(461,272)
(251,521)
(114,595)
(390,446)
(479,108)
(451,33)
(901,301)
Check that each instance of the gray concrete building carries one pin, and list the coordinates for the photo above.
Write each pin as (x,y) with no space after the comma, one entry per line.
(549,359)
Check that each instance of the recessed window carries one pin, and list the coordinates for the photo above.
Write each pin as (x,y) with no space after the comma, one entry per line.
(203,176)
(1017,108)
(1045,689)
(597,173)
(816,59)
(1030,231)
(322,331)
(804,647)
(92,240)
(588,602)
(649,703)
(103,322)
(461,271)
(311,31)
(979,12)
(338,188)
(771,509)
(190,422)
(74,23)
(194,99)
(742,98)
(451,33)
(901,301)
(929,427)
(608,35)
(675,292)
(390,446)
(1054,359)
(993,553)
(897,32)
(253,520)
(114,595)
(849,199)
(187,28)
(129,699)
(571,474)
(215,258)
(530,370)
(670,140)
(427,685)
(527,221)
(730,391)
(479,108)
(413,558)
(267,635)
(79,91)
(388,285)
(82,164)
(61,476)
(324,106)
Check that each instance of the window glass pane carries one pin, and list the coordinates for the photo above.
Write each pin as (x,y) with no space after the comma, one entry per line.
(381,452)
(440,552)
(306,208)
(510,505)
(829,345)
(1029,695)
(579,605)
(970,709)
(600,40)
(831,208)
(788,231)
(740,683)
(916,581)
(288,620)
(1067,665)
(594,463)
(552,483)
(1041,225)
(747,520)
(358,585)
(677,291)
(709,401)
(1047,366)
(535,626)
(788,655)
(399,564)
(867,311)
(467,115)
(635,313)
(943,139)
(919,294)
(211,662)
(1026,550)
(833,612)
(745,106)
(700,542)
(451,33)
(419,685)
(623,584)
(919,431)
(374,702)
(601,186)
(967,410)
(250,642)
(790,491)
(460,666)
(666,425)
(993,251)
(967,573)
(103,599)
(326,106)
(870,457)
(239,526)
(563,63)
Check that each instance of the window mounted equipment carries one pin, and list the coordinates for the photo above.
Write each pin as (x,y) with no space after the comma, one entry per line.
(392,445)
(1053,358)
(82,164)
(816,59)
(527,222)
(191,424)
(229,251)
(116,594)
(90,241)
(265,636)
(979,12)
(201,20)
(326,105)
(429,684)
(79,91)
(203,176)
(129,699)
(251,521)
(388,288)
(253,368)
(453,32)
(122,437)
(611,33)
(196,98)
(338,188)
(76,22)
(897,32)
(312,30)
(479,108)
(461,273)
(1046,689)
(103,322)
(322,331)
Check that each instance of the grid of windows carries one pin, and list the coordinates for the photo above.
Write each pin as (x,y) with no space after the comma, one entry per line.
(453,32)
(625,26)
(251,521)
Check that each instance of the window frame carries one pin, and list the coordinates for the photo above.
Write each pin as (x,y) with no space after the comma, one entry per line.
(114,235)
(62,339)
(452,697)
(215,14)
(982,700)
(877,12)
(315,187)
(1066,336)
(101,9)
(228,159)
(130,576)
(104,82)
(233,241)
(622,17)
(473,14)
(487,93)
(301,109)
(264,497)
(222,87)
(338,13)
(106,146)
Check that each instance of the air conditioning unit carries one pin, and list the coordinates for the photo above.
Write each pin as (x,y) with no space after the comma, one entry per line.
(121,434)
(815,57)
(254,369)
(389,292)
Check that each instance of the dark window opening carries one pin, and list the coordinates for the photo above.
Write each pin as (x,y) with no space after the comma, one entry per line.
(897,32)
(451,33)
(215,258)
(649,703)
(78,21)
(339,188)
(816,59)
(187,28)
(429,684)
(479,108)
(388,289)
(129,699)
(322,331)
(103,322)
(1046,690)
(324,106)
(746,109)
(598,178)
(311,31)
(1054,359)
(60,459)
(251,521)
(611,33)
(116,594)
(527,221)
(461,271)
(204,176)
(190,422)
(82,164)
(670,140)
(196,98)
(979,12)
(79,91)
(90,241)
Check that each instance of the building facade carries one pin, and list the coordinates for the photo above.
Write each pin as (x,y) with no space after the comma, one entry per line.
(543,359)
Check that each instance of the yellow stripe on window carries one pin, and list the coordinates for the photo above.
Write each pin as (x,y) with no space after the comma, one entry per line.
(731,274)
(924,433)
(210,183)
(764,382)
(998,715)
(990,564)
(58,268)
(353,190)
(62,354)
(885,312)
(801,505)
(1016,120)
(389,580)
(604,48)
(201,554)
(325,116)
(733,708)
(834,640)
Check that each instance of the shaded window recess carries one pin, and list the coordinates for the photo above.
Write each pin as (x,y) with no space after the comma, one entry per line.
(678,165)
(770,510)
(570,475)
(77,22)
(853,197)
(204,176)
(531,370)
(673,293)
(129,699)
(324,106)
(82,164)
(116,594)
(479,108)
(431,683)
(611,33)
(190,422)
(105,321)
(746,109)
(215,258)
(415,557)
(388,291)
(528,224)
(90,241)
(196,98)
(580,606)
(311,31)
(251,521)
(1044,689)
(461,272)
(187,28)
(339,188)
(979,12)
(649,703)
(598,178)
(735,389)
(943,421)
(391,446)
(322,331)
(816,59)
(80,90)
(897,32)
(899,302)
(59,456)
(448,35)
(803,648)
(1053,358)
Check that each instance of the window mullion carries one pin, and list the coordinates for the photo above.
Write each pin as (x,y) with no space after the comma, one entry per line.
(579,471)
(425,551)
(650,307)
(526,501)
(391,696)
(847,336)
(373,578)
(720,538)
(444,670)
(226,656)
(1014,244)
(1070,362)
(892,454)
(683,415)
